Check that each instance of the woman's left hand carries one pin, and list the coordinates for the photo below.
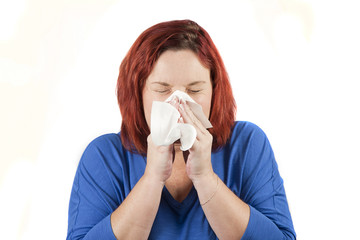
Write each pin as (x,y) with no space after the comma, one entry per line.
(198,163)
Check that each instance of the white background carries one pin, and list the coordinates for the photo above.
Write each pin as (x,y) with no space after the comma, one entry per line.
(293,64)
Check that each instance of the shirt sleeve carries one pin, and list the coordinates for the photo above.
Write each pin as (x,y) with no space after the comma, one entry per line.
(264,192)
(93,196)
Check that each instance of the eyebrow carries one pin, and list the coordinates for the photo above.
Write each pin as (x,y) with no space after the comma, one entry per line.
(190,84)
(161,83)
(195,83)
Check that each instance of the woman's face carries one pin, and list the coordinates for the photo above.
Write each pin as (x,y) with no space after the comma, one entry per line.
(178,70)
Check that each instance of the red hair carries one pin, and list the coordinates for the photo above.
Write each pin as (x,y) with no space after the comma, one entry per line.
(138,64)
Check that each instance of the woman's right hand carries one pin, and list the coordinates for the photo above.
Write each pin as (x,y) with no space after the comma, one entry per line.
(159,161)
(160,158)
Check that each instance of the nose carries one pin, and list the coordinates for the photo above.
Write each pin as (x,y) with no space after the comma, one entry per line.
(175,102)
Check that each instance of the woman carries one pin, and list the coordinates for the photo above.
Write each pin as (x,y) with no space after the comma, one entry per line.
(227,186)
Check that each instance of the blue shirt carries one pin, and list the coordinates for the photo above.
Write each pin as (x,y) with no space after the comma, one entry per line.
(107,172)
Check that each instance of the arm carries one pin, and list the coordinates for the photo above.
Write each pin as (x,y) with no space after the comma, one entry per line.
(227,215)
(262,212)
(232,218)
(93,196)
(97,211)
(134,218)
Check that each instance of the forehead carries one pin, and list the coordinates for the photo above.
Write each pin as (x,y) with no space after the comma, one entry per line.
(181,66)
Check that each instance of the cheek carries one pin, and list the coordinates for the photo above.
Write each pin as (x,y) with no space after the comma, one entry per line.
(205,103)
(147,103)
(206,108)
(147,112)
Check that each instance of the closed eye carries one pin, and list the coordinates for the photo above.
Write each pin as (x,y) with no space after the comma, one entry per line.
(162,91)
(194,91)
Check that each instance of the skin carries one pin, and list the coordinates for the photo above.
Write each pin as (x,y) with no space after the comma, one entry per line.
(178,70)
(166,166)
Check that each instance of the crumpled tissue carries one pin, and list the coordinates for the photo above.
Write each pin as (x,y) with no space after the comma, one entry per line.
(165,126)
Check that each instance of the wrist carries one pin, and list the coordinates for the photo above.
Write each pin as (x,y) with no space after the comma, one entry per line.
(207,186)
(201,181)
(153,179)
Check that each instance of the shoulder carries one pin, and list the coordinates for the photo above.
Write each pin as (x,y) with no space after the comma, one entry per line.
(245,132)
(103,149)
(247,144)
(107,140)
(246,156)
(246,126)
(250,146)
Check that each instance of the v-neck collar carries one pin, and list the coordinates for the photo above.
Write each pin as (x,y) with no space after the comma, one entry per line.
(188,201)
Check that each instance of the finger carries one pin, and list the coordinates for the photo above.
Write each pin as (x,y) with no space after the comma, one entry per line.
(189,117)
(185,110)
(186,118)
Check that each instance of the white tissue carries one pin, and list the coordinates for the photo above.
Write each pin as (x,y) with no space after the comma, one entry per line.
(165,128)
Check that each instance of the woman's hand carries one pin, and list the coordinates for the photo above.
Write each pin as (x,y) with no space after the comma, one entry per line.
(159,161)
(160,158)
(198,163)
